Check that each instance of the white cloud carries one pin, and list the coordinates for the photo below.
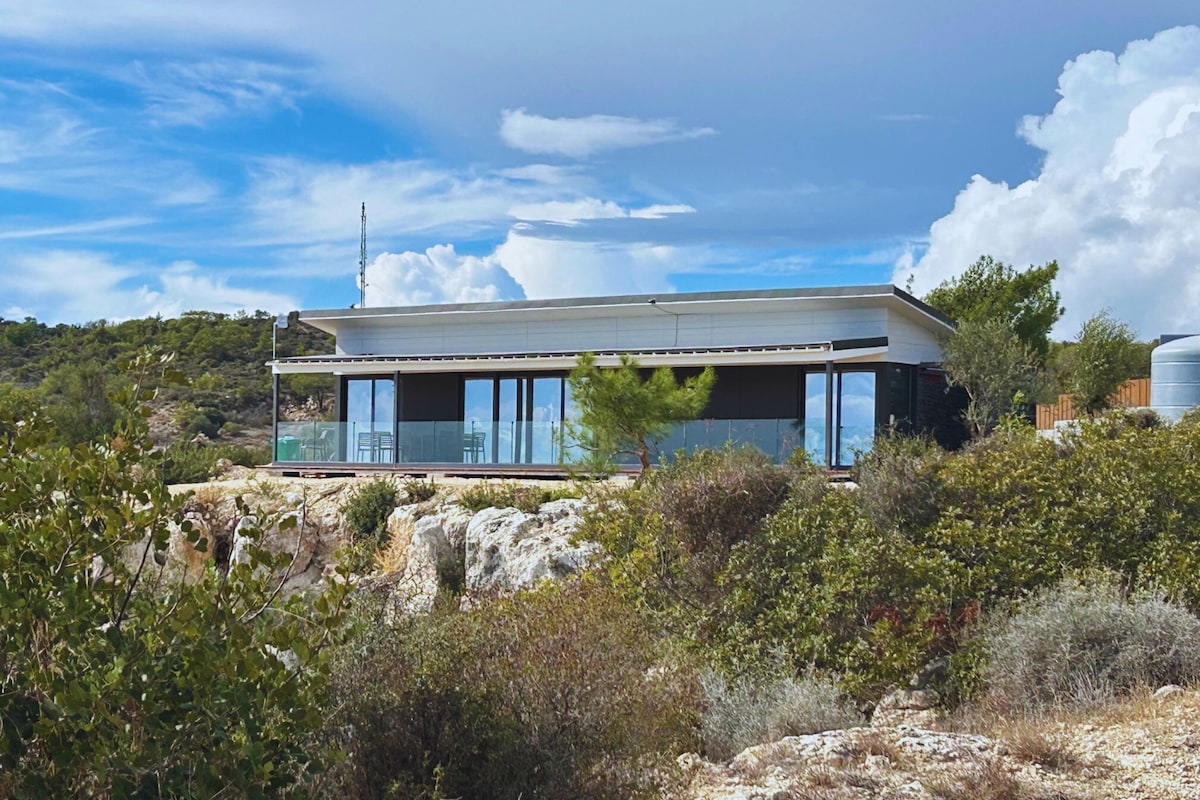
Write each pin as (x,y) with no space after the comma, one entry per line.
(522,266)
(54,143)
(197,93)
(1117,201)
(439,275)
(580,137)
(570,212)
(298,202)
(70,286)
(559,268)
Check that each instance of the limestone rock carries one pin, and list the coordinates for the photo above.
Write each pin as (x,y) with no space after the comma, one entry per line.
(914,707)
(429,545)
(507,549)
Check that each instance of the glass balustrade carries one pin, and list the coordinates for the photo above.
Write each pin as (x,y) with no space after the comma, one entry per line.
(517,442)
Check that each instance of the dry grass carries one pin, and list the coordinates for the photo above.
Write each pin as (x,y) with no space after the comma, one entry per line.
(988,779)
(876,743)
(1029,742)
(393,558)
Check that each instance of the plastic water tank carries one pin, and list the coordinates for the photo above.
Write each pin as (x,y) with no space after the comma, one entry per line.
(1175,377)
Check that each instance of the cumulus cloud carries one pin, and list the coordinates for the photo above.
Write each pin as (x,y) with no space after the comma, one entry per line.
(439,275)
(579,137)
(70,286)
(523,265)
(1117,200)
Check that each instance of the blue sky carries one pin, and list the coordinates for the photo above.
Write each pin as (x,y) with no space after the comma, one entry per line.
(158,157)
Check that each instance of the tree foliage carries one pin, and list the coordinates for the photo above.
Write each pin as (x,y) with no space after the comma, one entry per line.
(222,356)
(119,676)
(991,290)
(1105,356)
(996,369)
(621,412)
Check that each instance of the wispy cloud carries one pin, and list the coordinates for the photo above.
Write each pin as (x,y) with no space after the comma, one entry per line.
(579,137)
(74,229)
(197,93)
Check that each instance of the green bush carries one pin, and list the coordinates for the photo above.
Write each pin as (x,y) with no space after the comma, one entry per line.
(529,499)
(1084,642)
(199,421)
(670,535)
(120,678)
(367,510)
(824,587)
(418,491)
(747,711)
(561,692)
(900,482)
(189,463)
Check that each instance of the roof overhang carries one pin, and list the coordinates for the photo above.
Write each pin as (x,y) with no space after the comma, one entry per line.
(815,353)
(886,295)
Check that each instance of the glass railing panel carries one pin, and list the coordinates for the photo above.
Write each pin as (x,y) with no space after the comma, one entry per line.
(541,443)
(310,441)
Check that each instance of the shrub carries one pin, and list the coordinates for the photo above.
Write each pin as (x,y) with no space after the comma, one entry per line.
(561,692)
(189,463)
(900,482)
(135,682)
(510,495)
(418,491)
(747,711)
(366,513)
(1084,642)
(824,586)
(671,535)
(195,421)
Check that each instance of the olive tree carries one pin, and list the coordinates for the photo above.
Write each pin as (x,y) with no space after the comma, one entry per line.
(618,411)
(1105,356)
(997,370)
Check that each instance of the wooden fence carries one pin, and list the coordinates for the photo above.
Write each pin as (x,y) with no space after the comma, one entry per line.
(1132,394)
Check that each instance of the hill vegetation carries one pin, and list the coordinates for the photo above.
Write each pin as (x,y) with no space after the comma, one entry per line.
(220,386)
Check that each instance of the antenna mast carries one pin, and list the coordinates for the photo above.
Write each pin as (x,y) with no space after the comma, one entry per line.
(362,262)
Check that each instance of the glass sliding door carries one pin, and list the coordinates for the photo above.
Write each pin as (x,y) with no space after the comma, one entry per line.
(814,416)
(508,434)
(512,420)
(543,434)
(479,396)
(856,415)
(852,415)
(371,420)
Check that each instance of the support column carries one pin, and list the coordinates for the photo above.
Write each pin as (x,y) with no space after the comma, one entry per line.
(829,414)
(274,416)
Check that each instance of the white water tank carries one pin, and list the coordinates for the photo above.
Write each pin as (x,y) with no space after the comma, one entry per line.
(1175,377)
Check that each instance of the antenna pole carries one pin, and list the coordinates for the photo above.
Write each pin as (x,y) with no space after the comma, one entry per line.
(362,262)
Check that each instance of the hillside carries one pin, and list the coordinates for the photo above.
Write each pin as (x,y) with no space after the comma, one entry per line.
(222,357)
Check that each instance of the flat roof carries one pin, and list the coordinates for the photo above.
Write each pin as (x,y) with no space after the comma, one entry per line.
(885,290)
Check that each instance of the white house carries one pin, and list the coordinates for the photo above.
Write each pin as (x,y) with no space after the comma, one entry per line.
(483,384)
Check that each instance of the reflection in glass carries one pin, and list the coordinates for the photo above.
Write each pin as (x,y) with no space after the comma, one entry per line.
(814,416)
(856,415)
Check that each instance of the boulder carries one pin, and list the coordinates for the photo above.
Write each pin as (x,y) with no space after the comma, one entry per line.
(433,544)
(507,549)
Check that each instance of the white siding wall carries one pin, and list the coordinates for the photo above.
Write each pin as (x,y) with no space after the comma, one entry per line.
(910,343)
(620,330)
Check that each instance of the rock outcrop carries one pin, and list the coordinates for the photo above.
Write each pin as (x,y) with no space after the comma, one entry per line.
(507,549)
